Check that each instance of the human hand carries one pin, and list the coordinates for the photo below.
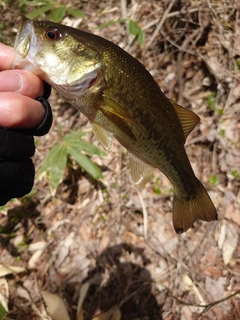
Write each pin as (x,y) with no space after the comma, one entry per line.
(22,115)
(18,89)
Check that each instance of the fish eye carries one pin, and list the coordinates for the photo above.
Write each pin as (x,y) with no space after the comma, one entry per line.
(53,33)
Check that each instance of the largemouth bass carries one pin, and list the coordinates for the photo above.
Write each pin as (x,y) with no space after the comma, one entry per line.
(122,101)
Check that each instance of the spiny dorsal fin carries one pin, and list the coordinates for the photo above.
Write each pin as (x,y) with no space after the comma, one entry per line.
(105,137)
(188,118)
(140,172)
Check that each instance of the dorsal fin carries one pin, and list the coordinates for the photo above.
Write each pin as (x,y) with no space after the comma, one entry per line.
(188,118)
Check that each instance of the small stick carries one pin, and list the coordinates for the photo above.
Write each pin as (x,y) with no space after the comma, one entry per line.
(145,215)
(164,17)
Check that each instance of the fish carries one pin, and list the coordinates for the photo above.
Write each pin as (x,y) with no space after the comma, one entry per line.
(122,101)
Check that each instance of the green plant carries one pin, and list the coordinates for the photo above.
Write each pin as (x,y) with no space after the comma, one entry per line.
(235,174)
(54,11)
(133,28)
(156,188)
(22,246)
(213,180)
(2,208)
(72,146)
(222,133)
(212,101)
(237,64)
(3,312)
(212,104)
(136,30)
(7,232)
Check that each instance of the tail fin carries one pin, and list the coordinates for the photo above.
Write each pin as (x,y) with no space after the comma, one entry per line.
(186,212)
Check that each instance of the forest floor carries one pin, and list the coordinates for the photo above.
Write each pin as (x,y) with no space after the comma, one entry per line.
(88,239)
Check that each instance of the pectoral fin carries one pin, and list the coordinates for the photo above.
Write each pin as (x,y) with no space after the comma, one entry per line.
(140,172)
(188,118)
(112,106)
(105,137)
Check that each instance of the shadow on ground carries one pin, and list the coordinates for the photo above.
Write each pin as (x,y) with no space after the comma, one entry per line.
(116,281)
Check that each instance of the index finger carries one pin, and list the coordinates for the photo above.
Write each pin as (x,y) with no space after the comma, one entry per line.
(6,57)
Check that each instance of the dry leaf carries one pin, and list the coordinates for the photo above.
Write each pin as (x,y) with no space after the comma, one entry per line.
(233,214)
(216,287)
(109,315)
(210,256)
(228,250)
(186,313)
(4,270)
(82,295)
(212,271)
(4,297)
(37,245)
(34,258)
(189,312)
(80,315)
(227,240)
(55,306)
(192,287)
(222,235)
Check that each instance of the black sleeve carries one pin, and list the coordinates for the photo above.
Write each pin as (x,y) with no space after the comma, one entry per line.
(16,149)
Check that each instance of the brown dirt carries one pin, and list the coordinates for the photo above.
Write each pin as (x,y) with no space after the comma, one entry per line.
(93,232)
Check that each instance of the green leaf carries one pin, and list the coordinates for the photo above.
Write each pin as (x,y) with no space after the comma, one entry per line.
(212,101)
(107,24)
(157,190)
(38,12)
(2,208)
(76,13)
(238,63)
(37,3)
(75,136)
(7,233)
(90,149)
(58,14)
(56,160)
(54,165)
(141,38)
(3,312)
(133,27)
(235,174)
(213,180)
(74,140)
(76,147)
(84,161)
(137,31)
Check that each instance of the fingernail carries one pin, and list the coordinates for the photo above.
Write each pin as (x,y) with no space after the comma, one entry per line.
(10,81)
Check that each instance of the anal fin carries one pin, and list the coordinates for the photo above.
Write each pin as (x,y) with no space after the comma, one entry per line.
(140,172)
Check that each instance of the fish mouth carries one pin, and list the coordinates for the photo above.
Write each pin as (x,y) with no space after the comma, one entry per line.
(25,47)
(32,52)
(23,35)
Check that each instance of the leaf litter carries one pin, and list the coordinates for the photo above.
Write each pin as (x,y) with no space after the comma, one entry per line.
(90,234)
